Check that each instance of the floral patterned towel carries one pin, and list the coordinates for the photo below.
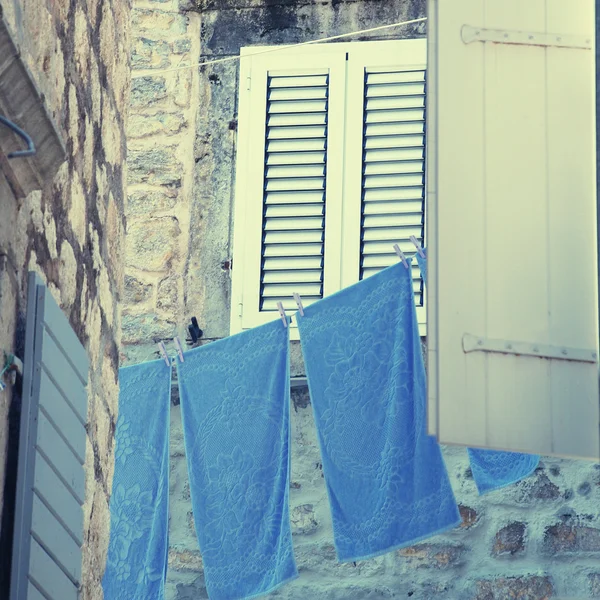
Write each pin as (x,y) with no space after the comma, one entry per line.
(387,482)
(493,469)
(235,396)
(136,566)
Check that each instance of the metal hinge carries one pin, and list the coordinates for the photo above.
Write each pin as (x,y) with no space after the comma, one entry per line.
(248,82)
(240,309)
(470,34)
(472,343)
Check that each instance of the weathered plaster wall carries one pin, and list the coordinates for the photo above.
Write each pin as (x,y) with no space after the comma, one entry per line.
(71,232)
(537,539)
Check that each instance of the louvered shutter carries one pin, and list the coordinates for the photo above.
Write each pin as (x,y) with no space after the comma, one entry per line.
(385,153)
(48,532)
(512,226)
(293,241)
(288,202)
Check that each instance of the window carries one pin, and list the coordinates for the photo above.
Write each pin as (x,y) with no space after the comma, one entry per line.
(330,171)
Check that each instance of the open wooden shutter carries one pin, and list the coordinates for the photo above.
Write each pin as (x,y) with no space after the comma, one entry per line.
(512,319)
(287,221)
(48,533)
(384,200)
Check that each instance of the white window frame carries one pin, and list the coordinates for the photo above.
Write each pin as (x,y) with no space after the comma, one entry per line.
(346,63)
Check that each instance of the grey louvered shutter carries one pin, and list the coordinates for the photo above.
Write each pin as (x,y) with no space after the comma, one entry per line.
(48,533)
(293,241)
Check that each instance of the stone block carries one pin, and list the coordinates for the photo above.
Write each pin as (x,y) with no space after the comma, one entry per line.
(157,166)
(303,519)
(136,291)
(158,24)
(147,91)
(150,54)
(147,202)
(510,539)
(161,123)
(167,295)
(526,587)
(182,46)
(142,328)
(152,244)
(468,515)
(567,538)
(185,560)
(433,556)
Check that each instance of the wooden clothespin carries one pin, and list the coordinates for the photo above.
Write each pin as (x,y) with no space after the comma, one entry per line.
(415,241)
(401,255)
(163,353)
(299,303)
(282,314)
(179,348)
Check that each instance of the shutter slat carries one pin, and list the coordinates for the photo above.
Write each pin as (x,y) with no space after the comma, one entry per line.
(389,235)
(294,225)
(391,220)
(395,89)
(397,208)
(295,81)
(298,106)
(395,102)
(392,116)
(295,197)
(290,276)
(394,141)
(383,194)
(296,133)
(393,170)
(302,236)
(296,158)
(298,171)
(294,183)
(270,304)
(293,250)
(299,145)
(403,128)
(297,93)
(391,154)
(295,210)
(390,168)
(293,264)
(374,78)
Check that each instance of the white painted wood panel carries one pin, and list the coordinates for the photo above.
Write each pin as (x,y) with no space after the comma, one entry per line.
(512,213)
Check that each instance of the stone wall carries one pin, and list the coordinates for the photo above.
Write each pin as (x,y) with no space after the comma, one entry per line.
(538,539)
(71,231)
(161,133)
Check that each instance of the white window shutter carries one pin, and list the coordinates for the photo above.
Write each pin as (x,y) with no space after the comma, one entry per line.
(512,226)
(385,158)
(288,204)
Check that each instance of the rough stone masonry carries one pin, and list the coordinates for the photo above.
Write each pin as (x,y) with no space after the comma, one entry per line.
(71,231)
(537,539)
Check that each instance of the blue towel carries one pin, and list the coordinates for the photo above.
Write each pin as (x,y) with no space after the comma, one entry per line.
(493,469)
(386,479)
(235,407)
(136,566)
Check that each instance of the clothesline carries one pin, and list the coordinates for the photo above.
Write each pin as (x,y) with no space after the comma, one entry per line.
(285,47)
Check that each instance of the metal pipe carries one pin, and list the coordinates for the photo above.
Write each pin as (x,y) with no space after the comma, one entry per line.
(22,134)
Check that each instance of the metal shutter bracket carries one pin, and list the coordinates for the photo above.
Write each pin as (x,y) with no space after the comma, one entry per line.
(524,38)
(472,343)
